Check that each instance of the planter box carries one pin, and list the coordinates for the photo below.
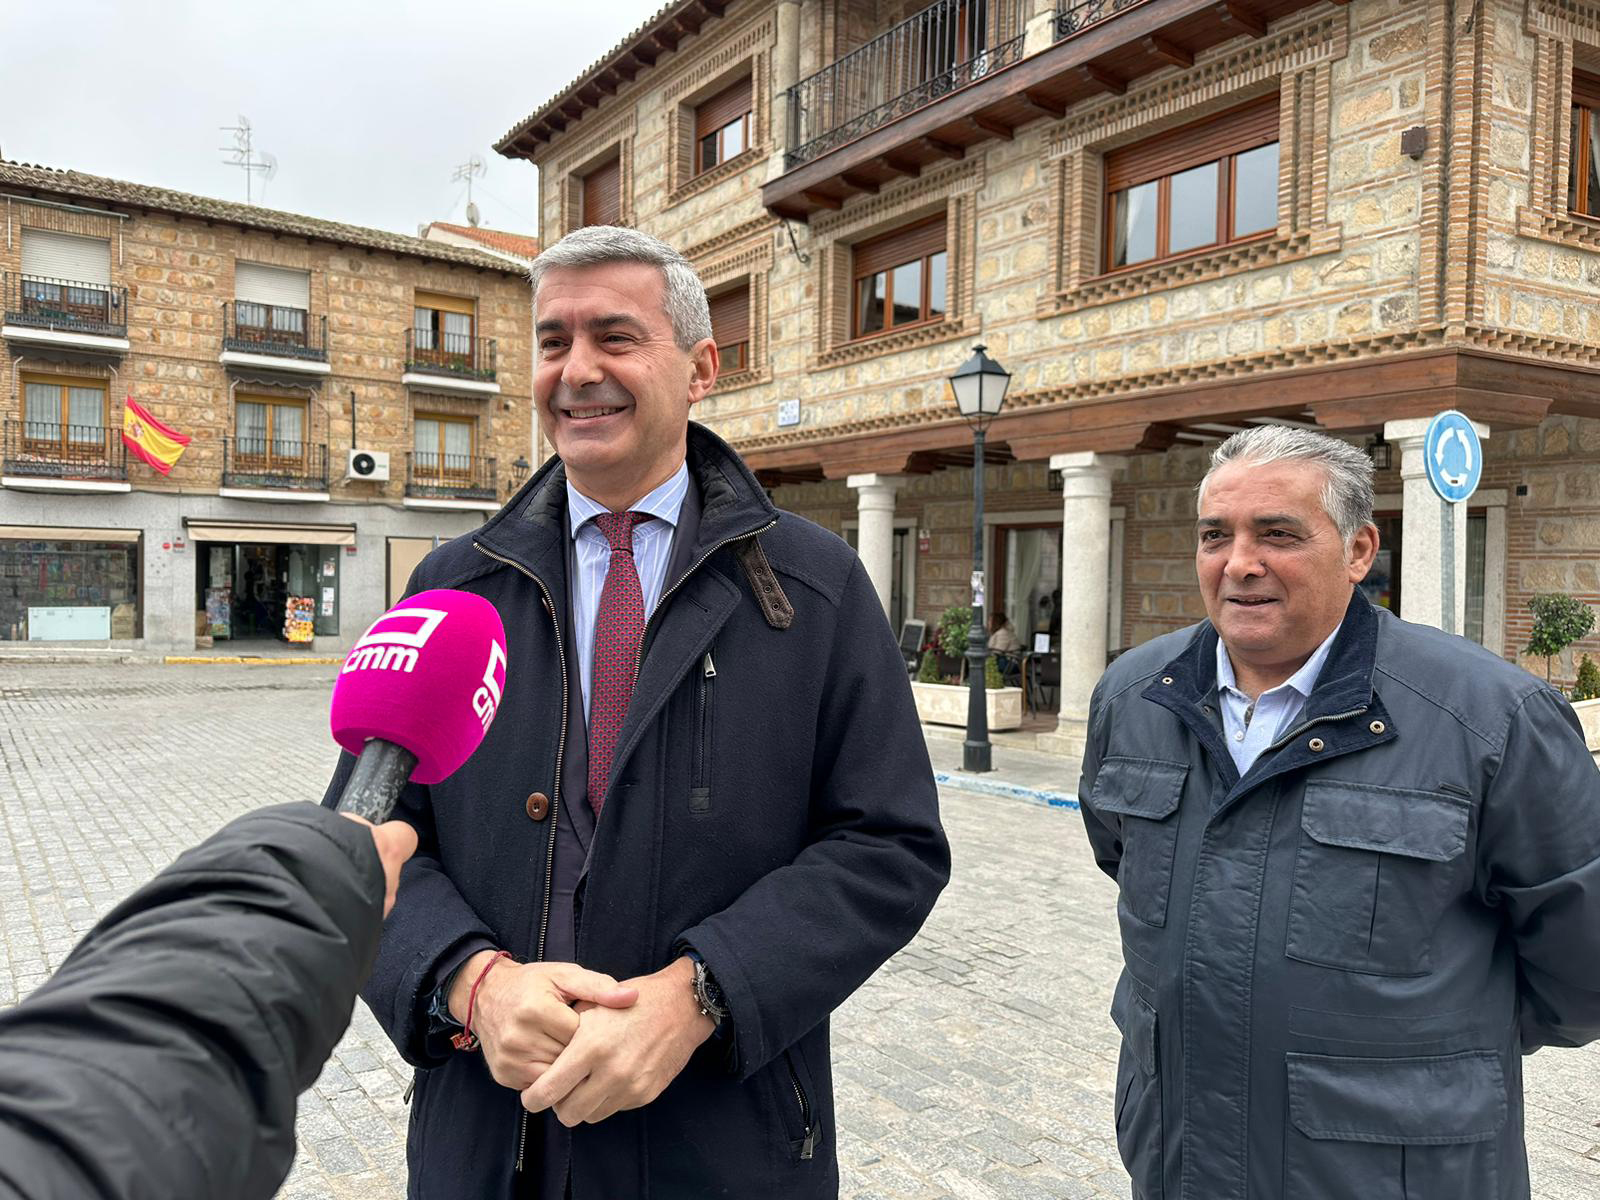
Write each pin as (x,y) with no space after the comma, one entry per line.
(1589,717)
(946,704)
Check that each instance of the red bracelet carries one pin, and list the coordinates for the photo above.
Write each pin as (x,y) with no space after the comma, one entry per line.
(466,1039)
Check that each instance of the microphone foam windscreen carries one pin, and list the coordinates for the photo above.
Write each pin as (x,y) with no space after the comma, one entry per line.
(428,676)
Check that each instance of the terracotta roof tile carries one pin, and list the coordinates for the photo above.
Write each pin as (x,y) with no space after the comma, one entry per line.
(80,186)
(510,243)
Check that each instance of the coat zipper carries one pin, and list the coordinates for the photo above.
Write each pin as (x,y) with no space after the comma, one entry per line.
(555,798)
(1299,729)
(707,674)
(808,1145)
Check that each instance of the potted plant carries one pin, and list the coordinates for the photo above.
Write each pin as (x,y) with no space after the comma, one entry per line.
(1586,701)
(941,698)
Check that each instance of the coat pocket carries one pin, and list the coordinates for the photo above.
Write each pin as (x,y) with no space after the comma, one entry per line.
(1145,794)
(1138,1112)
(1373,875)
(1422,1128)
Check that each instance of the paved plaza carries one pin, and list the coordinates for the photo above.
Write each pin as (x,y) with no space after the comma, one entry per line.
(978,1065)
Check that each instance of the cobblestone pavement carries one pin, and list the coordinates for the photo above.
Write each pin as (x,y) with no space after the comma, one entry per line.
(978,1065)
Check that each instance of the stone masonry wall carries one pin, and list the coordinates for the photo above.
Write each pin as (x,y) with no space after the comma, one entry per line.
(179,272)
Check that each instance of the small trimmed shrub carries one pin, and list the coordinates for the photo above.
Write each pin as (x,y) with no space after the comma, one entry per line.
(1588,685)
(1558,621)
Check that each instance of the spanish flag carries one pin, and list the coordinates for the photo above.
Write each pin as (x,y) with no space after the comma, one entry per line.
(150,439)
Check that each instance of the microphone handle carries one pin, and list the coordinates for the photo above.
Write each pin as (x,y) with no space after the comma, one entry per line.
(381,771)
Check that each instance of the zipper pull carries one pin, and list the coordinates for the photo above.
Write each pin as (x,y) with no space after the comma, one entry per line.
(711,667)
(808,1148)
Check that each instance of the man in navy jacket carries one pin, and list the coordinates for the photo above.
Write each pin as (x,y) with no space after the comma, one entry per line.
(741,832)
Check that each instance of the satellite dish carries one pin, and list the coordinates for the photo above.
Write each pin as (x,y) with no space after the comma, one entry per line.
(269,165)
(472,213)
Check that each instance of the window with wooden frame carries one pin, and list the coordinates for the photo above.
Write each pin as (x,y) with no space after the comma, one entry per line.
(730,327)
(442,330)
(602,194)
(441,447)
(64,417)
(270,433)
(1206,185)
(1583,175)
(722,126)
(899,279)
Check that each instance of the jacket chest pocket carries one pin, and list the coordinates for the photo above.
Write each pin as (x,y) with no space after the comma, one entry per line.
(1373,875)
(1145,794)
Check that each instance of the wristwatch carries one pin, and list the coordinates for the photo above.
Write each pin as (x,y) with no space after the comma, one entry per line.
(706,992)
(440,1019)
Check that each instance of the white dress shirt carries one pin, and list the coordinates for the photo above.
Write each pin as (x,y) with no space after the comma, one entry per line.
(652,549)
(1251,728)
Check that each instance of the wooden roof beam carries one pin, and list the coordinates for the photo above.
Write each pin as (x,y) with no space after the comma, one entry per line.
(667,39)
(688,22)
(990,126)
(1236,15)
(1103,79)
(1168,51)
(859,182)
(822,199)
(942,148)
(900,165)
(714,7)
(1042,104)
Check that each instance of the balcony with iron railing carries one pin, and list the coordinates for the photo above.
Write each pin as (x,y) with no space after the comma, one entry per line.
(47,450)
(68,311)
(962,73)
(291,337)
(260,462)
(921,60)
(430,475)
(452,355)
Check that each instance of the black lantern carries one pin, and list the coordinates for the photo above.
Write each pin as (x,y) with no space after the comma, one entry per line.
(1381,452)
(519,472)
(979,386)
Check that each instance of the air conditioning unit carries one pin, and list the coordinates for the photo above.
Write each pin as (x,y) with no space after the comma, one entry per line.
(368,464)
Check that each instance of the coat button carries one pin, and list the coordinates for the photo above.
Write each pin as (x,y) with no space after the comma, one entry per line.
(538,806)
(1167,679)
(1317,745)
(1377,727)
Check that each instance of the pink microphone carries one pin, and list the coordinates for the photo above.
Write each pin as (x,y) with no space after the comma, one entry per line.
(416,695)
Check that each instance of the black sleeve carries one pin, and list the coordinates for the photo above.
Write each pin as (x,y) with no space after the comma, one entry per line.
(164,1058)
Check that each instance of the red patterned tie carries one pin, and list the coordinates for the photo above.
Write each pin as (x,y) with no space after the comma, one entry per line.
(618,632)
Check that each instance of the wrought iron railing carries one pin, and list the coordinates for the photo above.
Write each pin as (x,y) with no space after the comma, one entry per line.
(924,58)
(456,354)
(47,450)
(273,329)
(449,476)
(68,305)
(274,463)
(1075,16)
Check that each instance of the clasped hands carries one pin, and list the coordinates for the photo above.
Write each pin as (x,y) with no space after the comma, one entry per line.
(578,1041)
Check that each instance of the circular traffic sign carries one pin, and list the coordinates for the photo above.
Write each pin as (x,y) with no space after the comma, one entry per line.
(1454,456)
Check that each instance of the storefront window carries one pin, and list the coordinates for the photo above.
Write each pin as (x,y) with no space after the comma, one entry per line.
(69,589)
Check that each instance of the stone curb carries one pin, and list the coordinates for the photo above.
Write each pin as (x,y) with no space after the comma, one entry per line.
(240,661)
(1005,791)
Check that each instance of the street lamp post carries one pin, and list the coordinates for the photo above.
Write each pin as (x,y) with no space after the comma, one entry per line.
(979,385)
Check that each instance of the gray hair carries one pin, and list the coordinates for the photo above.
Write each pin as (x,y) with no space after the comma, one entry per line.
(1347,487)
(596,245)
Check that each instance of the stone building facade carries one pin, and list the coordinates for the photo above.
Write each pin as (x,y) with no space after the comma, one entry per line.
(1169,220)
(349,396)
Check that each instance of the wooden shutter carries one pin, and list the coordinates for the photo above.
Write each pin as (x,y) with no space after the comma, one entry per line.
(272,285)
(722,109)
(730,316)
(442,303)
(68,256)
(602,194)
(1244,128)
(1585,90)
(902,246)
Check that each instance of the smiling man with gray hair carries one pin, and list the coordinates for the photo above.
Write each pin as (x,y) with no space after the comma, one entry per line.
(1359,865)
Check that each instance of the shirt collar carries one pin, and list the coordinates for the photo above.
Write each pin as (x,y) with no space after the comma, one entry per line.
(665,503)
(1302,681)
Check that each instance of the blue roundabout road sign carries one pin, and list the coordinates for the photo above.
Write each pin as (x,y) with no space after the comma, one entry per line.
(1454,456)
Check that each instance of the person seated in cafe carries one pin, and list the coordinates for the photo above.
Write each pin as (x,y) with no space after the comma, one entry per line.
(1004,644)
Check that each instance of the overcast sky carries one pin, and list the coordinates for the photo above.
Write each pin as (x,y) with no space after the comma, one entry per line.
(368,105)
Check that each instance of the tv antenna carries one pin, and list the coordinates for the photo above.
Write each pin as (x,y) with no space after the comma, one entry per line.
(472,169)
(253,162)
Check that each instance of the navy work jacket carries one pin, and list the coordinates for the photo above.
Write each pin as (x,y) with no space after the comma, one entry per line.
(771,803)
(1333,966)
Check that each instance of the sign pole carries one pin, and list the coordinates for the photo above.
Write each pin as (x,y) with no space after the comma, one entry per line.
(1453,457)
(1447,555)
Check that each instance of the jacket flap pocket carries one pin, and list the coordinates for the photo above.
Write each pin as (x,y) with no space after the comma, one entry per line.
(1139,787)
(1398,1101)
(1367,816)
(1135,1018)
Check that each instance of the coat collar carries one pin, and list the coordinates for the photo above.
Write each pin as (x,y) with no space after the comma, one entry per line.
(530,529)
(1187,686)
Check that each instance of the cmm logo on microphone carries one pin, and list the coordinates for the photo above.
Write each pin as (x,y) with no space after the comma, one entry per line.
(393,642)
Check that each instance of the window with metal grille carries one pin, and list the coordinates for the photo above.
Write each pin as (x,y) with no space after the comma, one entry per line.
(602,194)
(899,279)
(730,327)
(442,329)
(64,415)
(442,446)
(722,126)
(1583,175)
(270,433)
(1206,185)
